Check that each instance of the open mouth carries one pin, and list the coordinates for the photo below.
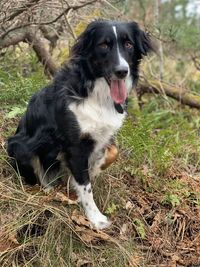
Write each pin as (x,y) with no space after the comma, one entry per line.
(118,90)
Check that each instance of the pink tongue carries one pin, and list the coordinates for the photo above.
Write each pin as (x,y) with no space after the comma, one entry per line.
(118,91)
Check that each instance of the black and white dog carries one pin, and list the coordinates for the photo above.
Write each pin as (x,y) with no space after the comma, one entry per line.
(70,122)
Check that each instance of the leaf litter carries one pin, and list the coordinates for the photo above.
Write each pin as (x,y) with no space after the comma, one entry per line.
(172,233)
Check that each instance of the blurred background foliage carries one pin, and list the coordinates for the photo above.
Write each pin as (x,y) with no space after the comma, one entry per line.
(173,25)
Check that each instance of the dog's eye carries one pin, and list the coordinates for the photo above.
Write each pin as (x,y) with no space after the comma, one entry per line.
(104,45)
(128,45)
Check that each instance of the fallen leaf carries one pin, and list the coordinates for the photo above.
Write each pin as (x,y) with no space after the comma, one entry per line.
(8,241)
(82,262)
(73,196)
(129,205)
(33,189)
(79,261)
(56,195)
(174,259)
(80,219)
(125,231)
(89,235)
(59,196)
(156,221)
(134,260)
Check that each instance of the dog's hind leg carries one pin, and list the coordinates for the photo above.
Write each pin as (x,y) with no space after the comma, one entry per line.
(47,171)
(40,172)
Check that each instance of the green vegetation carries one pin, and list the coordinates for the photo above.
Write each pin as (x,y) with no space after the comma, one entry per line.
(19,79)
(157,137)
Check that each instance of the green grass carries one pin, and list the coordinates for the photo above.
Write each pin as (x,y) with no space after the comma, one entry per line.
(157,137)
(19,79)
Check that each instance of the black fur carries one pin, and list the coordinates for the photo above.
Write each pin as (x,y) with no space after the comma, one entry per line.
(49,127)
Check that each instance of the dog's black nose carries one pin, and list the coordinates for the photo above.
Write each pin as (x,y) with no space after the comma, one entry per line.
(121,72)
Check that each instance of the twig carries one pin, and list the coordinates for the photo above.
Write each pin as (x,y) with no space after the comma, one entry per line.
(20,10)
(68,23)
(51,21)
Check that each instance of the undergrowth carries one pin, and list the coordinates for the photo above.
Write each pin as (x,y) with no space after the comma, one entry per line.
(158,137)
(19,79)
(151,193)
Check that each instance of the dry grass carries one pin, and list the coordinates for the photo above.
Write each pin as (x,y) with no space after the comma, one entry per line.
(150,226)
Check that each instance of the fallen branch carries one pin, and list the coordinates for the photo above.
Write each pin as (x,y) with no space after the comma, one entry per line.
(157,87)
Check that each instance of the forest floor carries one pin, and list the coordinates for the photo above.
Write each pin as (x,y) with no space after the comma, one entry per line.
(151,193)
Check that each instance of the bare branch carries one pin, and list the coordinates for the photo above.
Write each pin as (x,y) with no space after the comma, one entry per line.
(196,61)
(68,24)
(51,21)
(20,10)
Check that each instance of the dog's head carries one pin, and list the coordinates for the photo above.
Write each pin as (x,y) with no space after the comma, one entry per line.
(113,50)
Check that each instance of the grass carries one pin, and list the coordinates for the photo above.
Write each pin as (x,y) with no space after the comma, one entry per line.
(151,193)
(18,79)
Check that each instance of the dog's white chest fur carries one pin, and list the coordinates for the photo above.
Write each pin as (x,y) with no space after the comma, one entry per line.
(97,115)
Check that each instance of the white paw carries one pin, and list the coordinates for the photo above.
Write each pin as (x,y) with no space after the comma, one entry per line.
(99,221)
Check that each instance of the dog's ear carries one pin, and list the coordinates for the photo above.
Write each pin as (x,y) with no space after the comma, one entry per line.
(142,40)
(84,42)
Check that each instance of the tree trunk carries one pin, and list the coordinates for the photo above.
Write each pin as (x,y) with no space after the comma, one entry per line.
(157,5)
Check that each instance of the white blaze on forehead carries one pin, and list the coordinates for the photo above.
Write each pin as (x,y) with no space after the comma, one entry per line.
(122,61)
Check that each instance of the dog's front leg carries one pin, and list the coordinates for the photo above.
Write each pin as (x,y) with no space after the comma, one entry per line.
(78,164)
(92,212)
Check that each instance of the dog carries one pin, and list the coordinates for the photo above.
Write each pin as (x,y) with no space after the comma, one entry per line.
(71,123)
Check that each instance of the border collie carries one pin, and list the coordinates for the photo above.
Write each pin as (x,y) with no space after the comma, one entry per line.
(71,122)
